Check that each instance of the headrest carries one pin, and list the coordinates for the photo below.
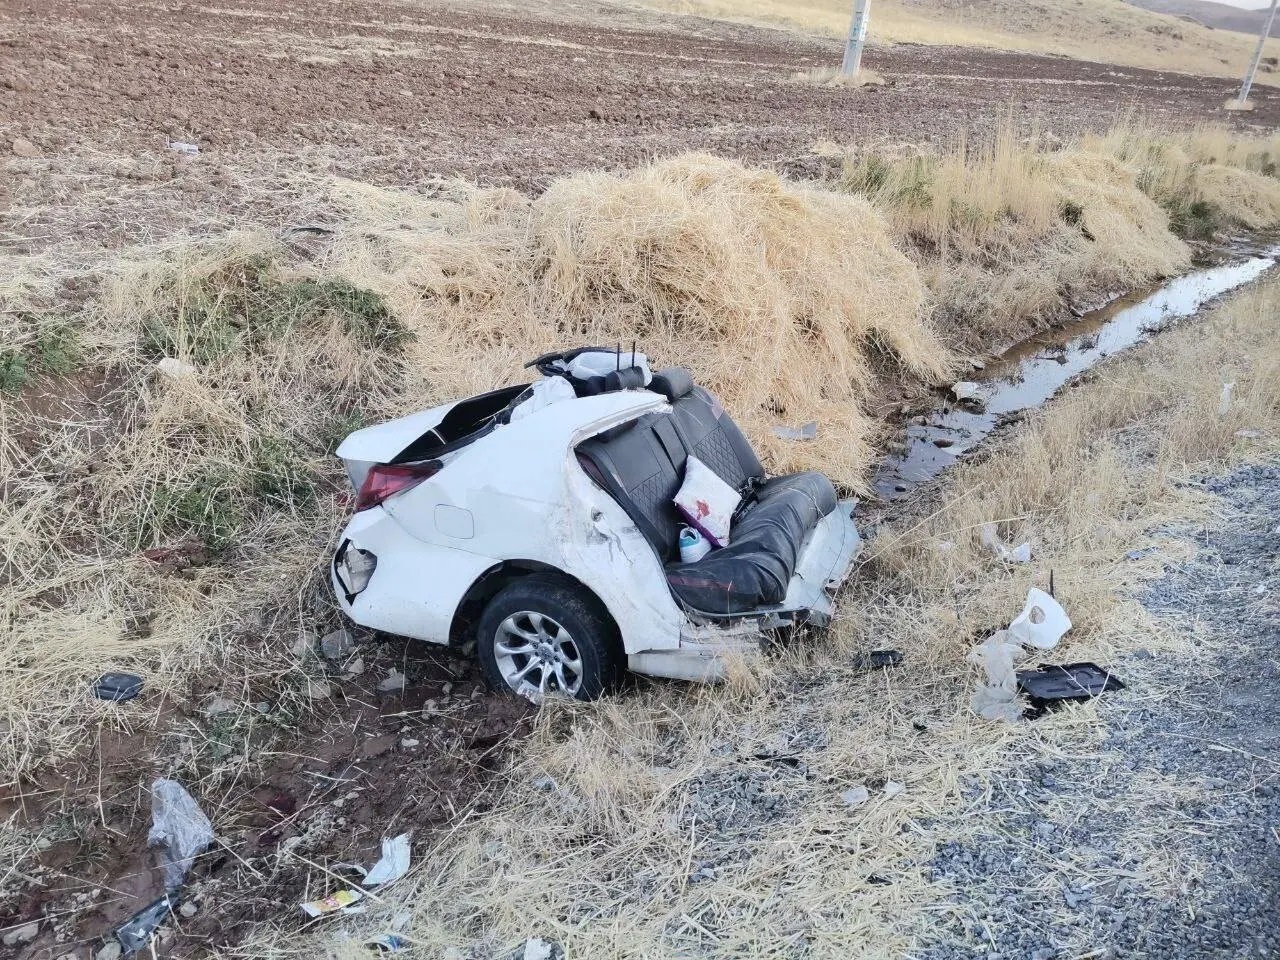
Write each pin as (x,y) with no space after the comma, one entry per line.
(673,382)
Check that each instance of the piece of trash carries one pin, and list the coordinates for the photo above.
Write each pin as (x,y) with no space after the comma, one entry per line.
(175,369)
(1248,434)
(136,932)
(117,687)
(855,796)
(344,901)
(393,682)
(989,539)
(878,660)
(808,431)
(1049,685)
(182,146)
(1224,403)
(1042,622)
(180,827)
(893,788)
(943,546)
(394,863)
(967,390)
(388,942)
(997,699)
(535,948)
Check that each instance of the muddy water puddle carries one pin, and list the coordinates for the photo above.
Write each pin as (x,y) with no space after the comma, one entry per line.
(1033,370)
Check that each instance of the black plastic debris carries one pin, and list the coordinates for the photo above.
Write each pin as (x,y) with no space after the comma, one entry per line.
(878,660)
(137,931)
(1048,685)
(117,687)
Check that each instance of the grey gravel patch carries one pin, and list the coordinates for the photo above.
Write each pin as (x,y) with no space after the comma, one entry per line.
(1057,873)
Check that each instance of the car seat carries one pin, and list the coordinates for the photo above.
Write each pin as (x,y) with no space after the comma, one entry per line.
(641,464)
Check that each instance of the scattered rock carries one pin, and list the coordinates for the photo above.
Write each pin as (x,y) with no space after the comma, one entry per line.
(24,148)
(318,689)
(110,951)
(393,683)
(595,113)
(218,705)
(188,909)
(336,644)
(24,934)
(409,742)
(356,667)
(943,442)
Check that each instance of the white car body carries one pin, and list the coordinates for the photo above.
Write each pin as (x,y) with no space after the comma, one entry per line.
(516,498)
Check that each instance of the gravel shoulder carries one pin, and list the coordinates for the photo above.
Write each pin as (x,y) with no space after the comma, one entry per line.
(1162,840)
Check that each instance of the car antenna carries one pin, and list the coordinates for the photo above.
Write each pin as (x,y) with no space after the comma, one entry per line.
(618,357)
(633,353)
(1051,593)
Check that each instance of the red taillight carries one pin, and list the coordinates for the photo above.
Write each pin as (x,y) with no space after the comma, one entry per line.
(387,479)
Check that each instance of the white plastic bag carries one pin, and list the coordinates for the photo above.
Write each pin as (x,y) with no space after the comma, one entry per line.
(997,699)
(180,826)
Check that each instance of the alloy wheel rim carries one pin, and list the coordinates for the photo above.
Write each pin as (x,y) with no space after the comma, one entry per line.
(536,655)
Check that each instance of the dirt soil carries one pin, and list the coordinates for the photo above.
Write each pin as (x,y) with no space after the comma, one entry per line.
(292,794)
(395,92)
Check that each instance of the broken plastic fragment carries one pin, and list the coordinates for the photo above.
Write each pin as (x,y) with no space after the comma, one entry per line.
(893,788)
(808,431)
(117,687)
(535,948)
(394,863)
(180,827)
(182,146)
(136,932)
(1042,622)
(1049,685)
(966,390)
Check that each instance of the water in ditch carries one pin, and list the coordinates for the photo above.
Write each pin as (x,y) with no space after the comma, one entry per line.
(1031,371)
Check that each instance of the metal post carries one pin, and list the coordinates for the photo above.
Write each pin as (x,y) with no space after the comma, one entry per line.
(1257,56)
(858,34)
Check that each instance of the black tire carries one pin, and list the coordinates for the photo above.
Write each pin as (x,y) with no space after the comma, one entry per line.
(567,607)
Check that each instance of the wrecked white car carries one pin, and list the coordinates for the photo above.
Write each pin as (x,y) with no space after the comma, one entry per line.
(538,522)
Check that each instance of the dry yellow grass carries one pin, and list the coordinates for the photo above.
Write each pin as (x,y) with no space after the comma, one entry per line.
(1109,31)
(663,823)
(735,272)
(1009,234)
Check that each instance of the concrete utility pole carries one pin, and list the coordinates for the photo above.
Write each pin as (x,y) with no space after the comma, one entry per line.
(858,35)
(1257,58)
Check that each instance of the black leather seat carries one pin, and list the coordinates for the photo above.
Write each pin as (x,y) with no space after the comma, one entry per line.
(641,464)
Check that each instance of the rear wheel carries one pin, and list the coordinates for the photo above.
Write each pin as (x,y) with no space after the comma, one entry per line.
(544,635)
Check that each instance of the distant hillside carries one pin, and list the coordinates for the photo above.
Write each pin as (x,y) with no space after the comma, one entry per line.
(1220,16)
(1107,31)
